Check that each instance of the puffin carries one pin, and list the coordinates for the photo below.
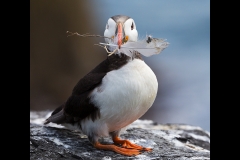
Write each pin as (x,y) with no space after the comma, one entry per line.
(113,95)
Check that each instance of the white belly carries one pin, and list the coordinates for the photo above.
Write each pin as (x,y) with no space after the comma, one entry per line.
(124,96)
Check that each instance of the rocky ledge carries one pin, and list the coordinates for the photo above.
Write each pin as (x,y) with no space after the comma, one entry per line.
(169,141)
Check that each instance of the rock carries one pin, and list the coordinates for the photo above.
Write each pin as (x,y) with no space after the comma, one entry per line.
(169,141)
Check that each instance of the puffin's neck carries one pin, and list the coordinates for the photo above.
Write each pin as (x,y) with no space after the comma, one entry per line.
(116,61)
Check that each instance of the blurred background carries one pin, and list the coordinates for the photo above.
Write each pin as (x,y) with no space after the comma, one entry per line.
(57,62)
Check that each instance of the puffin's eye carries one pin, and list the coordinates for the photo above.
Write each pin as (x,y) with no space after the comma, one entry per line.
(132,26)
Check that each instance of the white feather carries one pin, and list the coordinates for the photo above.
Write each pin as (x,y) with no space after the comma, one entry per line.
(155,46)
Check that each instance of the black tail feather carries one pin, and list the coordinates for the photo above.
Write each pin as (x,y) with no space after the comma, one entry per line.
(56,118)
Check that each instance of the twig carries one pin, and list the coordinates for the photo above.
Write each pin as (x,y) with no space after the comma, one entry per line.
(105,47)
(85,35)
(92,35)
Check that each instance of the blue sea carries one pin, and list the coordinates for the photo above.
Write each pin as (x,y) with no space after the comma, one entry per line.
(182,69)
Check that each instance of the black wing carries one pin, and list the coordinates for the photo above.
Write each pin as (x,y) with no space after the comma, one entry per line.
(78,105)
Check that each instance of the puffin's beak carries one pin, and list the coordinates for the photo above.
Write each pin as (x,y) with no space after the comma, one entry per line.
(120,34)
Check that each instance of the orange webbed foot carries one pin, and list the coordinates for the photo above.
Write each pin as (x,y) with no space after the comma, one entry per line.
(123,151)
(128,144)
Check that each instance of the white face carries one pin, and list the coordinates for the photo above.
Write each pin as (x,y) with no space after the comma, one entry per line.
(129,29)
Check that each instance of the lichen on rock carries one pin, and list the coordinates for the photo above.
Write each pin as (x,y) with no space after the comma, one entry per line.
(169,141)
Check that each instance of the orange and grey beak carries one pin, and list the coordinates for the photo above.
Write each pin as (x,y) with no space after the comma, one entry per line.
(120,34)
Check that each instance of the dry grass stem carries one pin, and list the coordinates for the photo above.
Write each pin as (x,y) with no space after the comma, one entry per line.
(105,47)
(85,35)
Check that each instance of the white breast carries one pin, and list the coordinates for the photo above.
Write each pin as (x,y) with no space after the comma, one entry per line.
(124,96)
